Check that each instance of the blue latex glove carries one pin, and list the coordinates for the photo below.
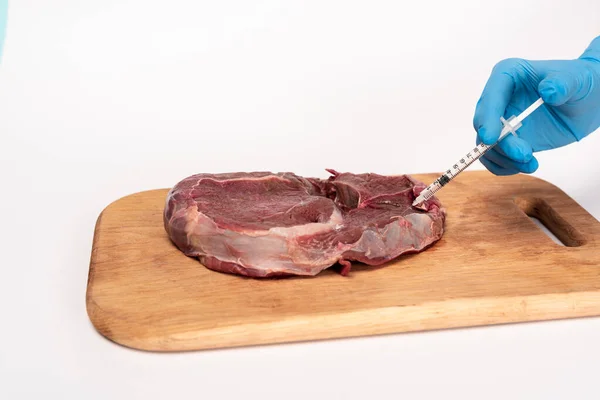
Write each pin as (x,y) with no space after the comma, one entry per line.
(571,110)
(3,15)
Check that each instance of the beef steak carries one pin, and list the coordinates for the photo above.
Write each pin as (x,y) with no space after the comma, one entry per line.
(262,224)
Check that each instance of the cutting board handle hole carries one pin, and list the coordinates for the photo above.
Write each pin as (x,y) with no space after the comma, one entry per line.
(547,231)
(550,222)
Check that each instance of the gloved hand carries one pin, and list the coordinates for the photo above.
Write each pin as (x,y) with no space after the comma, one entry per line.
(571,110)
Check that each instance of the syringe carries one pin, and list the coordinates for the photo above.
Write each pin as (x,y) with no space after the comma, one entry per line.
(510,126)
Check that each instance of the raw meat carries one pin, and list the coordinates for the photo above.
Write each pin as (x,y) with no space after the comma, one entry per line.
(262,224)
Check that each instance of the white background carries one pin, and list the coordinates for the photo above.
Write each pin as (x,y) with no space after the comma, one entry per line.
(99,99)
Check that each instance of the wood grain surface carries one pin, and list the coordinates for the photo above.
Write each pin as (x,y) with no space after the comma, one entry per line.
(494,265)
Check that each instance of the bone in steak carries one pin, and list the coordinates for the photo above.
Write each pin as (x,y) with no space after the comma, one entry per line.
(262,224)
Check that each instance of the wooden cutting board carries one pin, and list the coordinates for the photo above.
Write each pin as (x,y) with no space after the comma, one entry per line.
(493,265)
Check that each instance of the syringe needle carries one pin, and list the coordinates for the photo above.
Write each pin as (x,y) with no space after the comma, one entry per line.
(510,126)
